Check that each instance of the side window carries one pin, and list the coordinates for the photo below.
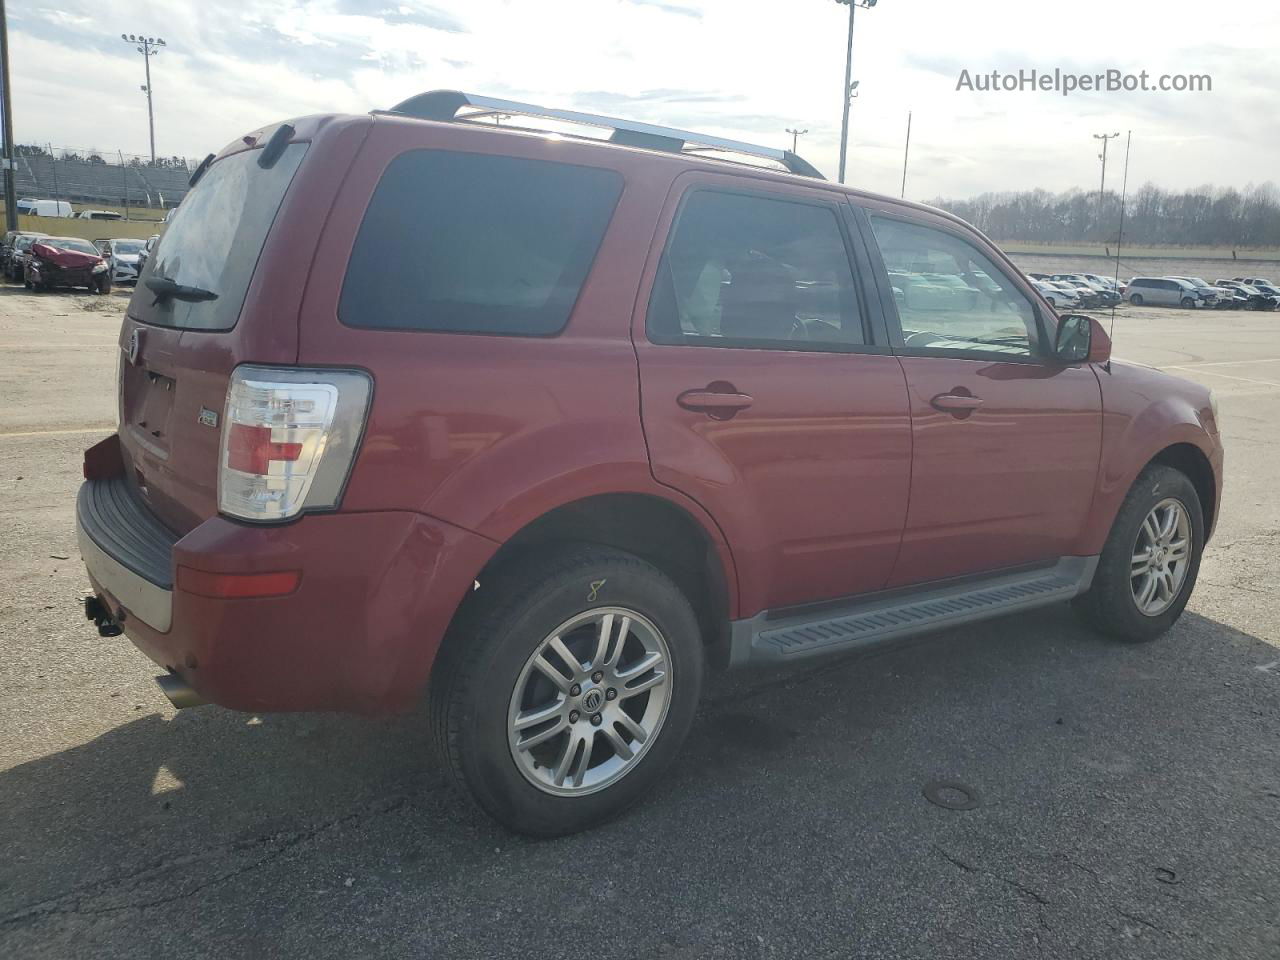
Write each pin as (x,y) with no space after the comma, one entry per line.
(470,243)
(750,271)
(950,296)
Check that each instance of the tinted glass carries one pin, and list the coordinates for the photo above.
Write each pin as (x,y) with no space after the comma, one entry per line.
(950,296)
(214,240)
(753,271)
(476,244)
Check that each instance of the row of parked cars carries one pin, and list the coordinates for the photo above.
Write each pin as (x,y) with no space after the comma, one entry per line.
(1088,291)
(42,262)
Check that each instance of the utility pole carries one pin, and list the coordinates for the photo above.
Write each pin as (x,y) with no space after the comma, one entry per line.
(147,46)
(906,150)
(850,89)
(1102,187)
(10,191)
(795,137)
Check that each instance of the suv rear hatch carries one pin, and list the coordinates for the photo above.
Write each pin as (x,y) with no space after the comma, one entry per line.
(222,287)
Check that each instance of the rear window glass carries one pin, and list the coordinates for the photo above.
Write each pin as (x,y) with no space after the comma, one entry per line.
(470,243)
(213,242)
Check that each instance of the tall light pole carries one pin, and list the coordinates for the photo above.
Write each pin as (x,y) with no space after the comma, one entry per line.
(795,134)
(6,101)
(147,47)
(850,88)
(1102,187)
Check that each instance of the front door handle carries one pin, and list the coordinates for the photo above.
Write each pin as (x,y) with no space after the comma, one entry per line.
(956,403)
(714,403)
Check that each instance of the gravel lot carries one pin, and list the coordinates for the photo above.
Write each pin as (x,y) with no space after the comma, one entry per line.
(1130,796)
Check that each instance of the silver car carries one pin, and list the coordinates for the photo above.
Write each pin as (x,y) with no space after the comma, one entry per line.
(1164,292)
(122,255)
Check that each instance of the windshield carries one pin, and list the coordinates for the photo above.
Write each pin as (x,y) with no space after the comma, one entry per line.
(213,242)
(71,243)
(127,246)
(23,242)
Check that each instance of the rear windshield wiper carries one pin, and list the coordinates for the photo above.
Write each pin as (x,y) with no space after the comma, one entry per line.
(166,289)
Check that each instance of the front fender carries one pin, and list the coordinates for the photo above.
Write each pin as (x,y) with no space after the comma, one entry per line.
(1135,430)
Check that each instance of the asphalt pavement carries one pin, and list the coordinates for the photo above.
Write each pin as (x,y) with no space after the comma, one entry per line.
(1128,797)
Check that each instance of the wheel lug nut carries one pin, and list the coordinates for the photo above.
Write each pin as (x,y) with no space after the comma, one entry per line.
(595,719)
(573,716)
(597,677)
(611,694)
(575,690)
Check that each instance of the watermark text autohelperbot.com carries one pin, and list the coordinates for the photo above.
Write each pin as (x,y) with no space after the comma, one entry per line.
(1067,83)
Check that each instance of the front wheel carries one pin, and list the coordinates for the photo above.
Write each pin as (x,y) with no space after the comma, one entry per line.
(1188,303)
(1149,564)
(566,688)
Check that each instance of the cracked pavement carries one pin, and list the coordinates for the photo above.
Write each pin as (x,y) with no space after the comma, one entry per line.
(1130,795)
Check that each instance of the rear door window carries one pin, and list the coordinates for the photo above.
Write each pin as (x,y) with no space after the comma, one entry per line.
(213,243)
(472,243)
(743,270)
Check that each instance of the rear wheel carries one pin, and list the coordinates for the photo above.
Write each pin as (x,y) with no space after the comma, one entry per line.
(1136,299)
(1149,564)
(567,686)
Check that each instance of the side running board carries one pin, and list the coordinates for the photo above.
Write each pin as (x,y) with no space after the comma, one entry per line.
(890,616)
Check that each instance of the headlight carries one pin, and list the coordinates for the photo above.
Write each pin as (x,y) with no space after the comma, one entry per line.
(100,267)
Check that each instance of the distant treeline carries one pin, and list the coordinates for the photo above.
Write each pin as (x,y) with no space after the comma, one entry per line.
(1207,215)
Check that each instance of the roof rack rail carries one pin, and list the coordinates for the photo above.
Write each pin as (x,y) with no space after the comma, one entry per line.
(445,105)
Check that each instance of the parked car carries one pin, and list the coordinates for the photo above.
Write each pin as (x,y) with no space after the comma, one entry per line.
(1262,285)
(1224,297)
(1088,296)
(45,208)
(122,256)
(145,253)
(544,426)
(16,267)
(1166,292)
(66,262)
(1255,299)
(1102,293)
(100,215)
(1058,295)
(1108,283)
(7,245)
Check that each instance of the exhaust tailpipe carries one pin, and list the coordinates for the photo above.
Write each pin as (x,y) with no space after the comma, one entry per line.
(178,692)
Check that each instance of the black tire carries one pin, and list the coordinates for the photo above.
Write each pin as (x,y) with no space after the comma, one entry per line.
(498,630)
(1188,303)
(1109,605)
(1136,299)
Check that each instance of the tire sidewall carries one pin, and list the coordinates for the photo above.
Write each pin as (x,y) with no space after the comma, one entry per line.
(484,750)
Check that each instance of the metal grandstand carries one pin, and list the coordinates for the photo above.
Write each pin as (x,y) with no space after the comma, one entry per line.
(54,177)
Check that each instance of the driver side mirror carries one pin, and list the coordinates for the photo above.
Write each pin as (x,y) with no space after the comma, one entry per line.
(1081,339)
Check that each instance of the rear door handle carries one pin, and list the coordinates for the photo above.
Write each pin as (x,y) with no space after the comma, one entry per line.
(956,402)
(714,403)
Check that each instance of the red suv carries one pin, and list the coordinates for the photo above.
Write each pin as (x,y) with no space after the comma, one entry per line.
(539,424)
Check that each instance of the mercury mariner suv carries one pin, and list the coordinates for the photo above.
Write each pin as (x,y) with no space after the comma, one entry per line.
(541,426)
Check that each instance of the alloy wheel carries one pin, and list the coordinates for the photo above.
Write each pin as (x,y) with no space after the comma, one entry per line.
(590,701)
(1161,554)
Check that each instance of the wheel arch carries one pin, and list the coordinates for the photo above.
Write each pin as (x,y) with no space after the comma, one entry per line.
(1191,461)
(655,528)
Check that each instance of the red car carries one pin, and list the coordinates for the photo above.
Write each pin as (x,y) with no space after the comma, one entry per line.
(539,425)
(66,262)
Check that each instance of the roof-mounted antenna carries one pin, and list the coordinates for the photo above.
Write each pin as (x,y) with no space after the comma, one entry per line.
(1124,188)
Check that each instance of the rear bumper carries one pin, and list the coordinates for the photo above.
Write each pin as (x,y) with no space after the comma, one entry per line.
(359,633)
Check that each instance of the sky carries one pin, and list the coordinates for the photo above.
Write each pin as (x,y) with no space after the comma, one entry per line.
(746,69)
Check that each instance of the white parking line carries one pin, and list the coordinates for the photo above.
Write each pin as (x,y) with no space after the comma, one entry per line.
(105,428)
(1228,363)
(1224,376)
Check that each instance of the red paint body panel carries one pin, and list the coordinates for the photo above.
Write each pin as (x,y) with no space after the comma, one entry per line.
(1007,484)
(360,631)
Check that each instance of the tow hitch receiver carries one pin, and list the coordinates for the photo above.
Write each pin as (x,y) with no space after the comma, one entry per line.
(97,611)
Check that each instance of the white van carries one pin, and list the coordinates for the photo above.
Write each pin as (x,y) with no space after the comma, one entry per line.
(51,208)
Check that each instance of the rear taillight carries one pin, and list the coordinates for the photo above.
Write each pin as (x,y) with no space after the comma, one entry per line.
(289,438)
